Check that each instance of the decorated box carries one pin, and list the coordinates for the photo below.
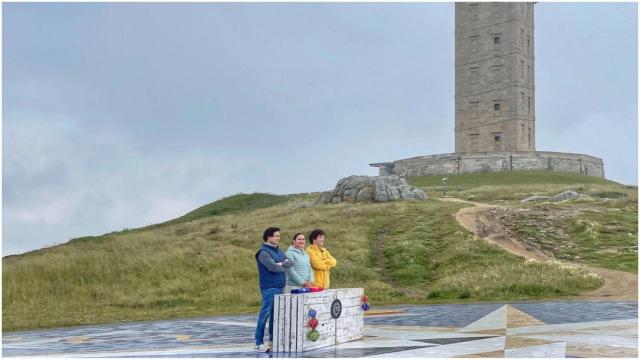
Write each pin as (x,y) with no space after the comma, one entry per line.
(336,314)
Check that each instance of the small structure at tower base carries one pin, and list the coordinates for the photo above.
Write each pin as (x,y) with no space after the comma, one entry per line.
(493,161)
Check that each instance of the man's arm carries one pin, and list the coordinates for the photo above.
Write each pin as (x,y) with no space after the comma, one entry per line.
(286,263)
(266,260)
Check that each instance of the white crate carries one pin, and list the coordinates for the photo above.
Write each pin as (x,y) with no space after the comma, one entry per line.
(291,319)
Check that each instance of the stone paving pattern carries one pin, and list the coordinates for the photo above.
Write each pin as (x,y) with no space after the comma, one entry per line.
(532,329)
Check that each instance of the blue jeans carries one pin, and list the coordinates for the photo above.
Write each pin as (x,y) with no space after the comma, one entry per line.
(266,312)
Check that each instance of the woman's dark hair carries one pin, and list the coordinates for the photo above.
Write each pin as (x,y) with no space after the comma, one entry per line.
(295,236)
(314,234)
(269,232)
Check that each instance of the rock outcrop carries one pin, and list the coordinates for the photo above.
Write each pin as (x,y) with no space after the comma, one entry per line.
(372,189)
(568,195)
(536,198)
(565,195)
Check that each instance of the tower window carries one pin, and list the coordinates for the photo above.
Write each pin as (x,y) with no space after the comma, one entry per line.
(529,105)
(497,138)
(473,142)
(473,108)
(473,9)
(475,74)
(496,40)
(496,107)
(474,43)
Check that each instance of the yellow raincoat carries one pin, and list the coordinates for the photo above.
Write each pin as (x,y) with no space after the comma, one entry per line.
(321,262)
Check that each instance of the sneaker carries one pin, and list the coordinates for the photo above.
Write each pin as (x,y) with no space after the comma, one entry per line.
(261,348)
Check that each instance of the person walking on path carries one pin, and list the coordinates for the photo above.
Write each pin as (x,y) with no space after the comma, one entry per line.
(321,259)
(272,264)
(301,274)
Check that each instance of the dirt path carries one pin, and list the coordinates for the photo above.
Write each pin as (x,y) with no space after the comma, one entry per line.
(618,285)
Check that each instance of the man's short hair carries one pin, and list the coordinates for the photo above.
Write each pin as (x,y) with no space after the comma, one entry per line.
(314,235)
(269,232)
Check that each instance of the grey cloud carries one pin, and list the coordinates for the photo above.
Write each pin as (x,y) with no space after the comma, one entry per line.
(119,115)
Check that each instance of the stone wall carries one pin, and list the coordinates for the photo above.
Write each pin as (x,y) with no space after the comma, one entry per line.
(496,161)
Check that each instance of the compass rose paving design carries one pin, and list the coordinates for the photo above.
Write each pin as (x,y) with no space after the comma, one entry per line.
(533,329)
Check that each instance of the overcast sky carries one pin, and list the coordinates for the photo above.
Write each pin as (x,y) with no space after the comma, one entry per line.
(123,115)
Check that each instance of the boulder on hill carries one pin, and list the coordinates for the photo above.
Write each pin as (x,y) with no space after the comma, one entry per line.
(569,195)
(536,198)
(358,188)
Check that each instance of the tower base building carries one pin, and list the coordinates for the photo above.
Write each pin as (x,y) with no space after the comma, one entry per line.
(493,161)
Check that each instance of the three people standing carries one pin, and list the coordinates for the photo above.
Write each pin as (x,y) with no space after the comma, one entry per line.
(302,269)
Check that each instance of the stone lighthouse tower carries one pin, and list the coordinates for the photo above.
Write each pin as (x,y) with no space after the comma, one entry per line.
(495,116)
(494,77)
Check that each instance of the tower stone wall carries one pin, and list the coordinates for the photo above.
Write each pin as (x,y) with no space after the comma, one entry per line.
(494,77)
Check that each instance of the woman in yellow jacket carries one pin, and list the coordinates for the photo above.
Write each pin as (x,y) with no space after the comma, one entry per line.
(321,259)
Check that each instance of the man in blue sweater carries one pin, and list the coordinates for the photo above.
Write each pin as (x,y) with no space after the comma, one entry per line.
(272,264)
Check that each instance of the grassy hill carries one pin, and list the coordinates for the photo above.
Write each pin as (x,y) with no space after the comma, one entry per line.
(203,262)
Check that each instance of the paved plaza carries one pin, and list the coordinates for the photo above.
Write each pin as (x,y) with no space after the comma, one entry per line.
(531,329)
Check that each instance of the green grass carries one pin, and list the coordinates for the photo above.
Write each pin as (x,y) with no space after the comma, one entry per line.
(514,185)
(206,266)
(608,239)
(593,233)
(425,250)
(468,181)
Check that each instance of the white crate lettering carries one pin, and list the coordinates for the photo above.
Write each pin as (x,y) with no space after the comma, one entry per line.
(291,319)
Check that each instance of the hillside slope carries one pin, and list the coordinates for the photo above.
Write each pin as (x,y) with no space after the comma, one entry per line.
(203,264)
